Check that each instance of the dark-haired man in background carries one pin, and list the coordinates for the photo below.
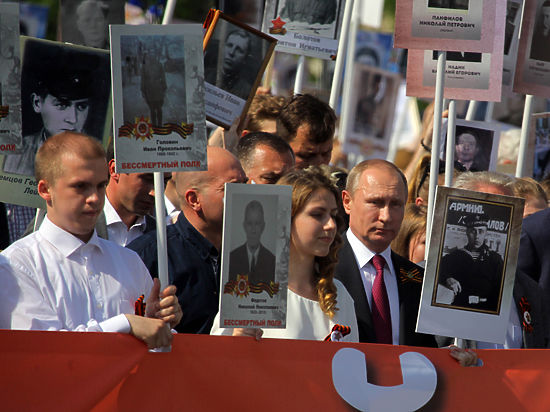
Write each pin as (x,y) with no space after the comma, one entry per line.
(307,124)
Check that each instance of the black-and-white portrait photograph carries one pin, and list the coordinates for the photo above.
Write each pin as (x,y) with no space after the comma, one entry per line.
(541,34)
(473,147)
(255,253)
(449,4)
(471,267)
(234,57)
(252,258)
(63,88)
(512,9)
(87,22)
(153,78)
(457,56)
(318,17)
(10,78)
(374,101)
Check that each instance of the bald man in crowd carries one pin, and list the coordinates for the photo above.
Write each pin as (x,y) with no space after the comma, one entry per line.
(63,276)
(194,241)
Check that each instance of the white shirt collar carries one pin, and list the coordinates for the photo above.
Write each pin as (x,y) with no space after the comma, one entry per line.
(364,255)
(64,241)
(170,208)
(112,217)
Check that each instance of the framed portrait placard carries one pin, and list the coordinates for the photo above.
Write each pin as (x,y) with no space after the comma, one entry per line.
(10,79)
(235,57)
(63,87)
(159,120)
(463,25)
(468,75)
(511,41)
(372,111)
(533,63)
(307,27)
(255,258)
(539,146)
(86,22)
(470,270)
(476,145)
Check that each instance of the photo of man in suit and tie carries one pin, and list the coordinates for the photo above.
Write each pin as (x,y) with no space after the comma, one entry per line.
(253,259)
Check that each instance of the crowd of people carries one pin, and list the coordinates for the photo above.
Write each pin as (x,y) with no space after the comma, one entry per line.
(90,261)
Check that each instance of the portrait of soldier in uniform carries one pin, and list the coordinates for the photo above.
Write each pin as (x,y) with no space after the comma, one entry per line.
(253,259)
(474,272)
(60,87)
(232,71)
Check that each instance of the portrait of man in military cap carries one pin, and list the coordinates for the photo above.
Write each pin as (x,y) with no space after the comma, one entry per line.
(473,272)
(64,88)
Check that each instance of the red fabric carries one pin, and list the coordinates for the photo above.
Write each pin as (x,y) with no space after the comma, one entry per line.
(380,310)
(50,371)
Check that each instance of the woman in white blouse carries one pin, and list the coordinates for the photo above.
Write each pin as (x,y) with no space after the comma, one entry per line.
(316,301)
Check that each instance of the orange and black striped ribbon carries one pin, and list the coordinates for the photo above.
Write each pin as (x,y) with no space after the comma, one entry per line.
(344,330)
(139,306)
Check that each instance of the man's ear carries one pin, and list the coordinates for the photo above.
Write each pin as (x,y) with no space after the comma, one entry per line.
(36,103)
(192,199)
(44,191)
(112,174)
(346,200)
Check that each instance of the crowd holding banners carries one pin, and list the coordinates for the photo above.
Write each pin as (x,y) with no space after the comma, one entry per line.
(10,81)
(203,216)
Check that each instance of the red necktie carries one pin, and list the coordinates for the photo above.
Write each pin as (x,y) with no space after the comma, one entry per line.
(381,304)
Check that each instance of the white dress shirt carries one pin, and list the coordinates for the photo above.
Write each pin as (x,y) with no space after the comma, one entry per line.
(117,230)
(363,257)
(54,281)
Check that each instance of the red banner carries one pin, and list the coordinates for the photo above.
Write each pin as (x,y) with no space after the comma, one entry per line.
(107,372)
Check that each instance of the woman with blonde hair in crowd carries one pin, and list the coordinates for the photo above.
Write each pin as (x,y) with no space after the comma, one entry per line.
(410,242)
(316,301)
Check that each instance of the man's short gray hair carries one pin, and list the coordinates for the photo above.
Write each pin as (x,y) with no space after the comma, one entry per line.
(473,180)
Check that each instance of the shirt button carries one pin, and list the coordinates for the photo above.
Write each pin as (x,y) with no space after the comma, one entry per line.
(99,305)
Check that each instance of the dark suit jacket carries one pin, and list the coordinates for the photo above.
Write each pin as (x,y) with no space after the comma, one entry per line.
(264,270)
(534,254)
(409,298)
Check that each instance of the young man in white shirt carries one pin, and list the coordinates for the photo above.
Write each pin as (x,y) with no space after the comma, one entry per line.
(64,277)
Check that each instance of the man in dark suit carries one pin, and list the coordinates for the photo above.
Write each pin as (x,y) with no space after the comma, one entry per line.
(252,259)
(374,198)
(534,256)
